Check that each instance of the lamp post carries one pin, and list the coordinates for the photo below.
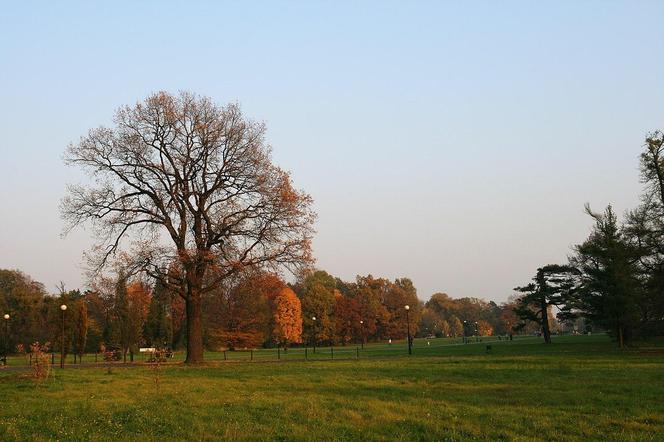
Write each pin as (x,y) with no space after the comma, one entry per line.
(477,335)
(313,332)
(63,307)
(6,338)
(410,342)
(362,332)
(465,338)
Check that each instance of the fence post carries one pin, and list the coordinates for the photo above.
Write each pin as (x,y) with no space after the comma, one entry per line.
(305,353)
(278,353)
(52,358)
(30,358)
(332,352)
(224,355)
(95,357)
(357,352)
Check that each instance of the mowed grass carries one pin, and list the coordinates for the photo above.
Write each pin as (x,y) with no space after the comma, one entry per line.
(579,388)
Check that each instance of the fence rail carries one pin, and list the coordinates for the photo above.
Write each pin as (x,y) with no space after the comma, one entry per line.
(421,347)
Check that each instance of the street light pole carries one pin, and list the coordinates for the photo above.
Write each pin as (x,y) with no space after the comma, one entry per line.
(362,332)
(465,338)
(410,342)
(477,336)
(313,318)
(6,338)
(63,307)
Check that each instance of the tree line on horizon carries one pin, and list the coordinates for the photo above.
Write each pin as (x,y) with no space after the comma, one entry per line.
(615,278)
(257,309)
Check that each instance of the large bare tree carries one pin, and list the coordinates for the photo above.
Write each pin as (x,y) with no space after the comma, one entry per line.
(186,190)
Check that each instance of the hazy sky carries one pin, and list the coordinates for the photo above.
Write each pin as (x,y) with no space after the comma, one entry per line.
(454,143)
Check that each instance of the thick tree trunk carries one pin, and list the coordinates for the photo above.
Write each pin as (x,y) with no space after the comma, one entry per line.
(545,322)
(621,339)
(194,329)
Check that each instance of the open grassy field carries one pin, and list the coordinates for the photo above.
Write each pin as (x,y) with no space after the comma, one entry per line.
(579,388)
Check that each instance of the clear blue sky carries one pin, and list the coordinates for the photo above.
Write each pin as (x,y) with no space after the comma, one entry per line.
(454,143)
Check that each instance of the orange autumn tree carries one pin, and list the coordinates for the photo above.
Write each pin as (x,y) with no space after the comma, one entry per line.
(484,328)
(287,318)
(239,315)
(347,315)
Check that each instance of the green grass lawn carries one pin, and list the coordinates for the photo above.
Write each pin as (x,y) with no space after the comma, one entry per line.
(579,388)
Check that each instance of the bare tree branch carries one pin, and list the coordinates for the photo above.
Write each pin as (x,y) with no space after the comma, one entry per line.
(189,190)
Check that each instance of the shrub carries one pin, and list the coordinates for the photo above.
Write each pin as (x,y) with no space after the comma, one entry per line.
(41,367)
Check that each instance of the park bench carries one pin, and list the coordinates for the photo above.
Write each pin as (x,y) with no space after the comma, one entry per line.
(154,354)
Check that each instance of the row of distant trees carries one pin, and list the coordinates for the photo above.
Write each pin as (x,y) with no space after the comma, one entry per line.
(255,309)
(124,314)
(615,278)
(35,315)
(445,316)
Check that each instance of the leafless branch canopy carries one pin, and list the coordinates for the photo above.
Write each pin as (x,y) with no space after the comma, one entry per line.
(190,187)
